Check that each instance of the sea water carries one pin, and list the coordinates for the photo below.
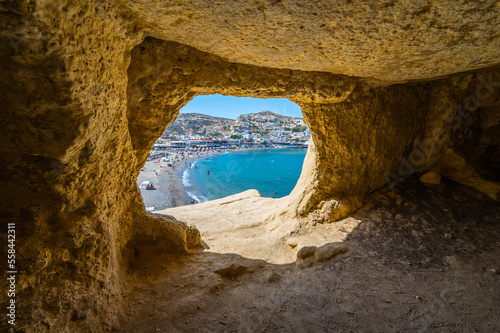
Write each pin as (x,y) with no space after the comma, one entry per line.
(272,172)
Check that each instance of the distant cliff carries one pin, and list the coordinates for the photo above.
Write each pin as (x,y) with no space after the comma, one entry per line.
(266,117)
(201,124)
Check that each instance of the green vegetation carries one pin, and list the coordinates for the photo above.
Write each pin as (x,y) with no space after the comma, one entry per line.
(288,129)
(216,134)
(236,136)
(264,132)
(299,128)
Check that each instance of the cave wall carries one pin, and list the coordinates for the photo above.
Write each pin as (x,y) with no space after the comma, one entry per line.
(381,135)
(366,133)
(389,40)
(67,162)
(84,96)
(65,93)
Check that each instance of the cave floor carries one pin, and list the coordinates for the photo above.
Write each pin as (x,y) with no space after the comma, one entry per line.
(422,258)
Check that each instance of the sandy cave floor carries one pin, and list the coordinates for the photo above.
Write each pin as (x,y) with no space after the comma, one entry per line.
(422,259)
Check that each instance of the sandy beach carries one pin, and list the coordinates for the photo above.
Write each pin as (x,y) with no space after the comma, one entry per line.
(167,179)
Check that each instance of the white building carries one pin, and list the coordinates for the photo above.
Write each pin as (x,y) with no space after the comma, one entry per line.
(284,133)
(179,144)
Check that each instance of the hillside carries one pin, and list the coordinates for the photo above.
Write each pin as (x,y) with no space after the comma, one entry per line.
(197,123)
(200,124)
(267,118)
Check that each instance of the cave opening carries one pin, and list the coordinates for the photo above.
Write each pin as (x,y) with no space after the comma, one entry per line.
(220,146)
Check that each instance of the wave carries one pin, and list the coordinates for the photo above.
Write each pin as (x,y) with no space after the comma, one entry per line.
(190,189)
(196,196)
(185,178)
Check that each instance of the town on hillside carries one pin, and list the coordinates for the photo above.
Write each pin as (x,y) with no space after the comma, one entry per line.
(264,129)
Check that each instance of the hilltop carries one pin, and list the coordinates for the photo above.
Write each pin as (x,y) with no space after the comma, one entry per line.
(201,124)
(268,117)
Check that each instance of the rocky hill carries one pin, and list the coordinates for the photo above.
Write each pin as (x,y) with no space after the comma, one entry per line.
(263,116)
(268,119)
(201,124)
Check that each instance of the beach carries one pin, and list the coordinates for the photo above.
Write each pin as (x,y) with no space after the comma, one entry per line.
(213,175)
(166,175)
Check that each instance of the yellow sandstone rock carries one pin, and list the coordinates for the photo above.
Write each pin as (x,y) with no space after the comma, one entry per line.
(88,86)
(431,177)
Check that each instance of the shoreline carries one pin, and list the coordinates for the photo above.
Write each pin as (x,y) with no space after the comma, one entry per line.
(170,191)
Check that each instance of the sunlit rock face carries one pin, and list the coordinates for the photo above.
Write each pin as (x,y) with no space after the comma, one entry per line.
(85,95)
(366,133)
(68,167)
(387,40)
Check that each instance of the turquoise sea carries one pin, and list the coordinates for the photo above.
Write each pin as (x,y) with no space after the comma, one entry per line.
(272,172)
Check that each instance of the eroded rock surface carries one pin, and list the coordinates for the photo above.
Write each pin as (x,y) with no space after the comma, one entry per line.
(84,95)
(402,273)
(388,40)
(365,133)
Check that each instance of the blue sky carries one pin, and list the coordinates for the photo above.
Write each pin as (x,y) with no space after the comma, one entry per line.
(231,107)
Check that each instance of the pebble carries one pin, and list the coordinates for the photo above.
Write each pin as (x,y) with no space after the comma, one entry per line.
(330,250)
(306,251)
(292,242)
(275,277)
(431,177)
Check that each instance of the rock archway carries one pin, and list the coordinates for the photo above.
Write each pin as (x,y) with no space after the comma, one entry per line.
(361,129)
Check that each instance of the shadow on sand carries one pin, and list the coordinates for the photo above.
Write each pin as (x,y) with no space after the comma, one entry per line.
(423,258)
